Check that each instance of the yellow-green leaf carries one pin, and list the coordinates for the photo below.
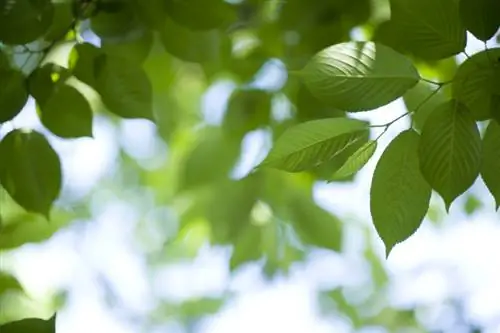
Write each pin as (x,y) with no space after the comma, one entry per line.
(490,166)
(357,160)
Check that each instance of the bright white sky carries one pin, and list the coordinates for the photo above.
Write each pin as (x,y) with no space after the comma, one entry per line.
(468,246)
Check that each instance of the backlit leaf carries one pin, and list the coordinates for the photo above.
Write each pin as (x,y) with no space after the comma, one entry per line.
(30,170)
(450,150)
(431,29)
(481,17)
(312,143)
(359,76)
(399,195)
(357,160)
(490,167)
(8,283)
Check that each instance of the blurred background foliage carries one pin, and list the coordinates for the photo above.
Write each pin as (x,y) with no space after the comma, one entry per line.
(218,71)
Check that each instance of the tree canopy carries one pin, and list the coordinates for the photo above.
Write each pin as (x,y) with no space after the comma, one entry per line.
(80,61)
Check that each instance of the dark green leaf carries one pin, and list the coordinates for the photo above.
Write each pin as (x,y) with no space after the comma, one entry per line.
(116,25)
(136,48)
(450,150)
(399,195)
(200,14)
(431,29)
(125,88)
(490,166)
(30,170)
(359,76)
(477,82)
(84,64)
(30,325)
(481,17)
(13,94)
(22,22)
(312,143)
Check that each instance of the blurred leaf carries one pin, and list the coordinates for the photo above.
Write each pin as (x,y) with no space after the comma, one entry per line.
(136,48)
(490,166)
(399,195)
(472,204)
(117,24)
(247,247)
(450,150)
(359,76)
(24,21)
(30,170)
(13,93)
(314,142)
(83,62)
(31,325)
(481,17)
(200,14)
(8,283)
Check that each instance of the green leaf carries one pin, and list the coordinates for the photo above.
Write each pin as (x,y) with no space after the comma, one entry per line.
(200,14)
(30,170)
(61,22)
(31,325)
(490,166)
(67,113)
(432,29)
(22,22)
(356,161)
(136,48)
(399,195)
(13,93)
(359,76)
(481,17)
(27,228)
(247,247)
(83,62)
(8,283)
(312,143)
(118,24)
(477,82)
(125,88)
(450,150)
(472,204)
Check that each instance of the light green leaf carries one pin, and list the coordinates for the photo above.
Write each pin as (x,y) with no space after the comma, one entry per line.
(8,283)
(125,88)
(490,167)
(312,143)
(477,82)
(356,161)
(13,94)
(399,195)
(30,170)
(432,29)
(481,17)
(450,150)
(247,247)
(32,325)
(359,76)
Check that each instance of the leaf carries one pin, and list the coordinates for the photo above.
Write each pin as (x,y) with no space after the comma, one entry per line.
(83,62)
(8,283)
(490,166)
(359,76)
(125,88)
(31,325)
(30,170)
(200,14)
(472,204)
(312,143)
(399,194)
(67,113)
(450,150)
(22,22)
(432,29)
(13,93)
(356,161)
(118,24)
(135,48)
(481,17)
(247,247)
(477,83)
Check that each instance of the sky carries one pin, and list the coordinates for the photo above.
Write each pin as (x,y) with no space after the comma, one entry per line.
(467,246)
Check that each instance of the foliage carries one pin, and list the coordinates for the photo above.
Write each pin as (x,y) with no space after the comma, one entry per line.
(154,59)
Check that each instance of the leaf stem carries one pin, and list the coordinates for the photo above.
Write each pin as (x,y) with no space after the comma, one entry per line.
(437,83)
